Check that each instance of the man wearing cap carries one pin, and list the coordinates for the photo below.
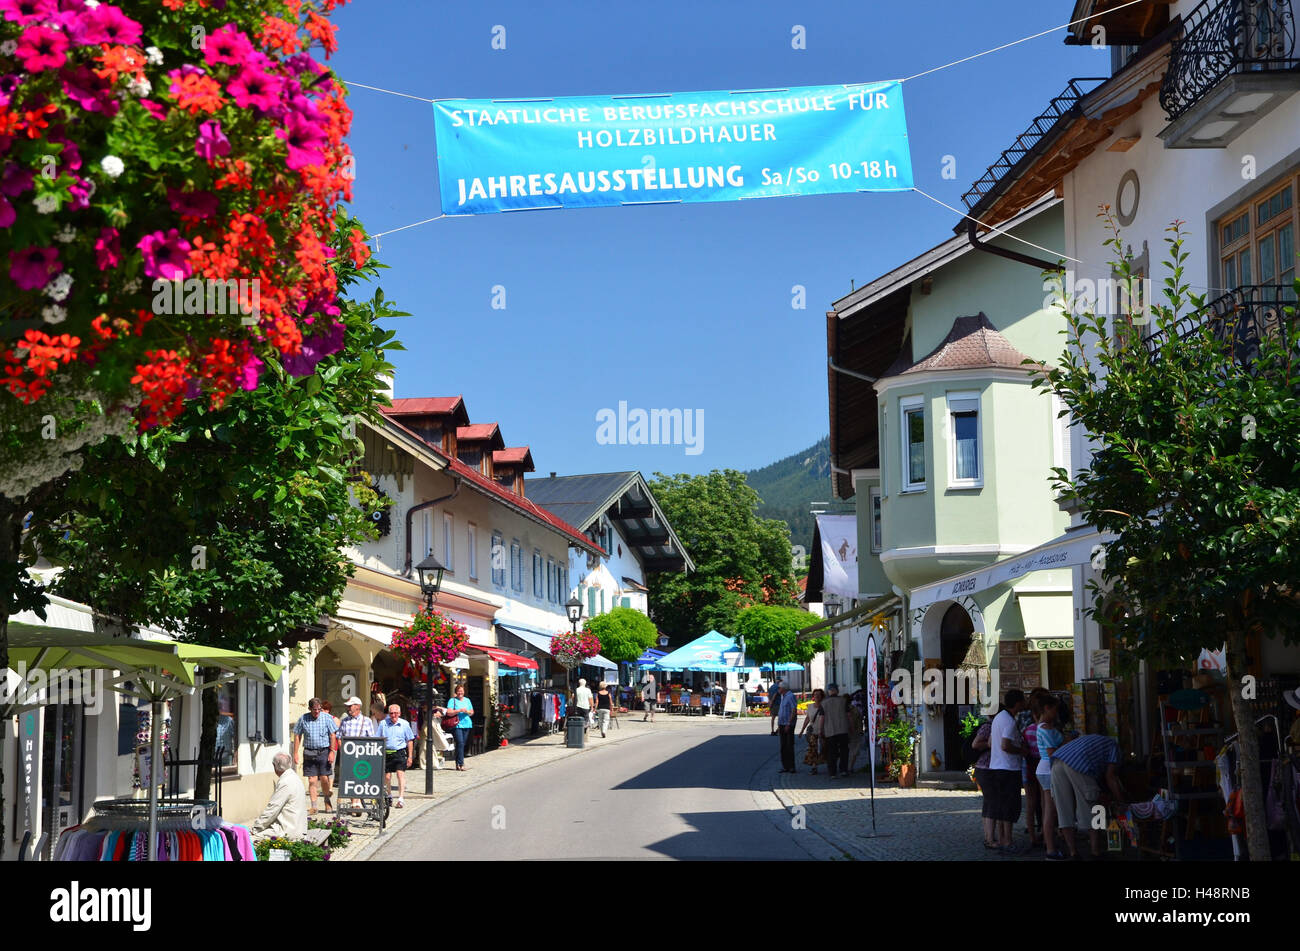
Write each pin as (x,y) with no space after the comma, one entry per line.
(354,724)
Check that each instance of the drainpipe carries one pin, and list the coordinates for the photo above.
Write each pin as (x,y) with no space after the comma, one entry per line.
(975,243)
(410,519)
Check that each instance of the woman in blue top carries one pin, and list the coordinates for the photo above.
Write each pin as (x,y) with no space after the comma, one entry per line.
(459,704)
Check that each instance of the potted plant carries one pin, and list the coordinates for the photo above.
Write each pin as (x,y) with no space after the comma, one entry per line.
(970,723)
(902,741)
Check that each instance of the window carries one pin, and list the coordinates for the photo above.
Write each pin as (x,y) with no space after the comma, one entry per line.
(516,566)
(448,545)
(426,525)
(875,519)
(498,560)
(471,539)
(259,709)
(964,414)
(625,602)
(564,584)
(537,574)
(591,602)
(1257,241)
(1063,455)
(913,413)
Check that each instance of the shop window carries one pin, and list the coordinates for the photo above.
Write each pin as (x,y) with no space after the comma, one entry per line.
(227,726)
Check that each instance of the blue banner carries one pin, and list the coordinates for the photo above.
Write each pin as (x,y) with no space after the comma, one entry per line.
(584,151)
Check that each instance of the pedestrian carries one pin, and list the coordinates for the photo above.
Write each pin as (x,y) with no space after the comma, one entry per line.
(399,742)
(649,694)
(582,702)
(604,707)
(857,716)
(774,702)
(812,728)
(352,725)
(1005,762)
(787,715)
(285,815)
(319,730)
(328,709)
(1078,766)
(835,732)
(1049,738)
(1029,767)
(980,744)
(464,710)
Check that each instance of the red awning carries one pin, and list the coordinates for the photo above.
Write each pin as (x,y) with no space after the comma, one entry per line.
(506,658)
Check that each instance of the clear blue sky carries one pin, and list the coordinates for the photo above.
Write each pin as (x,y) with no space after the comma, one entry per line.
(672,306)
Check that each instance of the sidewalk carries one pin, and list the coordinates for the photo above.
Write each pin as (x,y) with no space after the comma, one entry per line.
(522,754)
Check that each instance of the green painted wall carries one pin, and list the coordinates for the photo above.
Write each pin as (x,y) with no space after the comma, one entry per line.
(871,575)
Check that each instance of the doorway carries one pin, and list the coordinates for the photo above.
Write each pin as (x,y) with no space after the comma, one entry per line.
(955,632)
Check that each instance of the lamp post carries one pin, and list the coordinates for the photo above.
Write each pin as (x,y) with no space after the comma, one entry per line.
(430,573)
(574,608)
(833,609)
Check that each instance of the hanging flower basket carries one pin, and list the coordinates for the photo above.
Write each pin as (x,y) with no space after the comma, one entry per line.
(572,649)
(429,637)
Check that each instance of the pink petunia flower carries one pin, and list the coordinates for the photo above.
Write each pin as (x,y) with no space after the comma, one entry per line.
(24,12)
(14,180)
(228,45)
(305,140)
(90,91)
(212,141)
(166,255)
(42,48)
(255,88)
(7,213)
(33,267)
(157,110)
(250,373)
(106,24)
(192,204)
(108,249)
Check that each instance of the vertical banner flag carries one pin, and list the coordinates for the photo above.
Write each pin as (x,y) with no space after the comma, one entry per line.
(584,151)
(839,543)
(873,698)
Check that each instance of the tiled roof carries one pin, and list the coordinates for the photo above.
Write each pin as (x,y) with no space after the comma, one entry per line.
(973,343)
(424,405)
(513,456)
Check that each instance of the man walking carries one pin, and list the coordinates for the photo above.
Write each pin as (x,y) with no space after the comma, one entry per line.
(354,725)
(399,742)
(649,694)
(1078,766)
(318,761)
(582,703)
(774,703)
(835,728)
(786,715)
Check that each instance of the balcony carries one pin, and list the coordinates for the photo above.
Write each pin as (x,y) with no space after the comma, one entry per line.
(1235,62)
(1246,315)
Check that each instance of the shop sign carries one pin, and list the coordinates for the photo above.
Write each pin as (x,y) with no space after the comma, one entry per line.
(29,740)
(361,767)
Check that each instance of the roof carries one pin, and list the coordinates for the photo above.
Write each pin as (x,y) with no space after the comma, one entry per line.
(626,499)
(476,431)
(973,343)
(513,456)
(426,405)
(486,486)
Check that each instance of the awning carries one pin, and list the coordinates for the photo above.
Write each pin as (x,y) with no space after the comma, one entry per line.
(852,618)
(505,658)
(543,643)
(383,635)
(706,649)
(633,584)
(650,657)
(1072,548)
(1049,620)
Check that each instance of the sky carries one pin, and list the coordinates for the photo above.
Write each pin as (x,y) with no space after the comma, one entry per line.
(685,306)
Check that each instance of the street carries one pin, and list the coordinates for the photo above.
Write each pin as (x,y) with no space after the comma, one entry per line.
(676,794)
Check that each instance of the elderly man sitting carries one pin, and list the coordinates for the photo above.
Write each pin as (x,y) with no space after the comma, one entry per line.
(286,814)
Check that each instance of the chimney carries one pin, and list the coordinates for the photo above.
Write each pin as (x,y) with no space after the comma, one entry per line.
(552,475)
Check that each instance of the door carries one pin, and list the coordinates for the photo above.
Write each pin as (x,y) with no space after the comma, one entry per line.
(955,632)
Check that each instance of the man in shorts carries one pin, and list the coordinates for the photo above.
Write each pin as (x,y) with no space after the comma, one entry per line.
(1078,767)
(318,730)
(399,744)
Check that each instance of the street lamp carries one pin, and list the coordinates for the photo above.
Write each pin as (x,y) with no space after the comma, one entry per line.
(430,572)
(574,609)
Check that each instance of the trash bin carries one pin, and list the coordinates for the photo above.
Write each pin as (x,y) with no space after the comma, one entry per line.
(575,732)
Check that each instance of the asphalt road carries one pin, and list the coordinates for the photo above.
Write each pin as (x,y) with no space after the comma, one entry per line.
(685,793)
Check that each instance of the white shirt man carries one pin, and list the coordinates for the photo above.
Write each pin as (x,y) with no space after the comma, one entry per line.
(286,812)
(1004,728)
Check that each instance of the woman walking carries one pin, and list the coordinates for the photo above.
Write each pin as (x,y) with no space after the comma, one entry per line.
(465,723)
(604,707)
(649,694)
(812,718)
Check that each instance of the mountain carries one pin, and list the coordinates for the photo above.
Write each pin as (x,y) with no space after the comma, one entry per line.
(787,487)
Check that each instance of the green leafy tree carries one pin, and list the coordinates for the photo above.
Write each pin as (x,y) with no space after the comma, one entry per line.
(1195,469)
(740,559)
(625,633)
(228,527)
(771,635)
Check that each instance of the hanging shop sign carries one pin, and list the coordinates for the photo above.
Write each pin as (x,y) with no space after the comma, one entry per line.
(587,151)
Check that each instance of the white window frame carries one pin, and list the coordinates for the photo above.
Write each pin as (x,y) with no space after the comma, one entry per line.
(448,542)
(471,539)
(426,524)
(875,510)
(906,405)
(965,401)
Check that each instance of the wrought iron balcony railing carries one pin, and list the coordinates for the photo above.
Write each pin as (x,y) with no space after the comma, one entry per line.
(1245,315)
(1222,37)
(1026,141)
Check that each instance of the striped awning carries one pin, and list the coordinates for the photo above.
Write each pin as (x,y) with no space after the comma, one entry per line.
(504,657)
